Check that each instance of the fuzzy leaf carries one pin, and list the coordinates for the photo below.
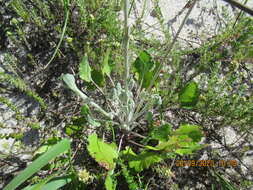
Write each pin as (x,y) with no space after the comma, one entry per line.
(92,122)
(85,70)
(104,153)
(188,96)
(69,79)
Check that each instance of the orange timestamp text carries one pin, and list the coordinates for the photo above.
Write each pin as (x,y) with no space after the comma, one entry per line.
(206,163)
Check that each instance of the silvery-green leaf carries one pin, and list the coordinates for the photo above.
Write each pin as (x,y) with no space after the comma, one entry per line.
(157,99)
(131,84)
(1,70)
(69,79)
(93,122)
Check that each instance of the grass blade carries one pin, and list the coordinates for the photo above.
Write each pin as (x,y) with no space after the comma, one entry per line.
(53,184)
(39,163)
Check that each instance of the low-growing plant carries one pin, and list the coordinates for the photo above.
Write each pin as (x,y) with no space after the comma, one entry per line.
(126,111)
(131,101)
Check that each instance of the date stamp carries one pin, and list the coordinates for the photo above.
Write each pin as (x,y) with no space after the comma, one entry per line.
(206,163)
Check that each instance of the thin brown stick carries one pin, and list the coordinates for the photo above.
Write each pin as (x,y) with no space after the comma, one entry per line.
(240,6)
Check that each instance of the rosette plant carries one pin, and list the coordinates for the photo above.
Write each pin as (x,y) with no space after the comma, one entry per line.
(128,103)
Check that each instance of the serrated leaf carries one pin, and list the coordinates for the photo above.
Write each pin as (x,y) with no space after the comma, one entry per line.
(105,154)
(189,148)
(170,145)
(192,131)
(161,133)
(141,161)
(85,69)
(106,69)
(189,95)
(182,142)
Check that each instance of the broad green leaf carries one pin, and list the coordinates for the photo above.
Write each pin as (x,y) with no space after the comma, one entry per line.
(85,70)
(53,184)
(85,110)
(143,160)
(147,78)
(145,68)
(105,154)
(170,145)
(110,182)
(149,117)
(143,64)
(72,129)
(182,145)
(189,148)
(128,153)
(161,133)
(98,78)
(145,57)
(35,166)
(192,131)
(189,95)
(106,69)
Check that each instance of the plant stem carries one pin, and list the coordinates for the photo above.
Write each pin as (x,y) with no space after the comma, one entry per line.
(137,135)
(66,4)
(126,59)
(240,6)
(140,145)
(126,42)
(240,14)
(120,143)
